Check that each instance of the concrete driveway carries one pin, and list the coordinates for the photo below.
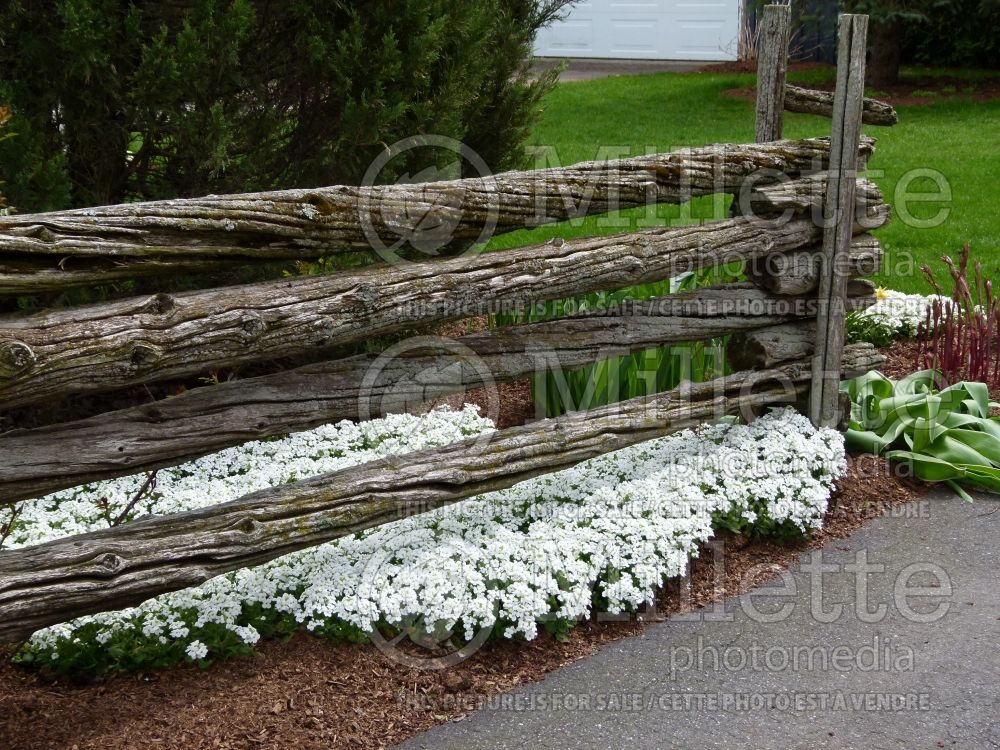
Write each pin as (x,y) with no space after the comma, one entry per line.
(888,639)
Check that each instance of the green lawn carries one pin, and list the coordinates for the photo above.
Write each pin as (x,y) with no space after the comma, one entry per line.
(632,115)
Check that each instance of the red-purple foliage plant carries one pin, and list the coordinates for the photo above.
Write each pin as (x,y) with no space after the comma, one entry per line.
(961,337)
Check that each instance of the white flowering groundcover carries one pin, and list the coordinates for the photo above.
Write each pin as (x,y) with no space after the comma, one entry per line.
(605,533)
(894,315)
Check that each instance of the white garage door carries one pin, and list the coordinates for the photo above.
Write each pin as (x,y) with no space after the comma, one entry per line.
(645,29)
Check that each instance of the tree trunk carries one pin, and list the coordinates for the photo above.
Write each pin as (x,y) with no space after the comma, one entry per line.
(108,346)
(122,566)
(886,54)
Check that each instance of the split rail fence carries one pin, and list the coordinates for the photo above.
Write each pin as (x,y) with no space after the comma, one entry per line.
(787,326)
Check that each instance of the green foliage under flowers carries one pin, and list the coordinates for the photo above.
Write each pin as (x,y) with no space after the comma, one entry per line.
(943,435)
(873,330)
(129,651)
(641,374)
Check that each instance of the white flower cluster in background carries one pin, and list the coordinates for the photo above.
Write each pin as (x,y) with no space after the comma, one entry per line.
(899,313)
(614,527)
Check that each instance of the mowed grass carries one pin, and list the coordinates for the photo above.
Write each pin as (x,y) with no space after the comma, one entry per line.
(952,136)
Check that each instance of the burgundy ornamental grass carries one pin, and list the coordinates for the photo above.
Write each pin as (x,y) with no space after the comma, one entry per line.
(961,338)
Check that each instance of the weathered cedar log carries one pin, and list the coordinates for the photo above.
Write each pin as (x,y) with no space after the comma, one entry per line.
(798,272)
(804,194)
(857,288)
(772,67)
(824,396)
(122,566)
(767,347)
(211,418)
(811,102)
(23,274)
(301,224)
(107,346)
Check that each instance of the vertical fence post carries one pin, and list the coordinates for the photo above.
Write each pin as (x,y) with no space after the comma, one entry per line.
(824,399)
(772,68)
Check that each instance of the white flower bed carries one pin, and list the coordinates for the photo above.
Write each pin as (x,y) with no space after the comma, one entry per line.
(613,527)
(900,314)
(233,472)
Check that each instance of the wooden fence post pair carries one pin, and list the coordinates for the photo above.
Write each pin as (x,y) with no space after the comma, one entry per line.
(848,104)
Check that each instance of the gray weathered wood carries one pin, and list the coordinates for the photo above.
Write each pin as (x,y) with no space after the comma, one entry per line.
(106,346)
(85,246)
(767,347)
(806,194)
(26,274)
(798,272)
(211,418)
(122,566)
(824,404)
(812,102)
(772,68)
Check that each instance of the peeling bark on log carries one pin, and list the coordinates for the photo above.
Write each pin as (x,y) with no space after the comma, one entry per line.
(765,348)
(811,102)
(211,418)
(107,346)
(798,272)
(302,224)
(122,566)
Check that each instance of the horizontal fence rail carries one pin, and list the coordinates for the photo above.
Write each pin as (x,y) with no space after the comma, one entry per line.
(51,251)
(812,102)
(211,418)
(798,272)
(122,566)
(112,345)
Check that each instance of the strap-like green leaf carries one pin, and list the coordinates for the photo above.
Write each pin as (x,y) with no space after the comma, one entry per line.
(928,468)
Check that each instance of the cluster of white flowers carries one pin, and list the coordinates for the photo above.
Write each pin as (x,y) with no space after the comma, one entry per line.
(901,314)
(233,472)
(615,526)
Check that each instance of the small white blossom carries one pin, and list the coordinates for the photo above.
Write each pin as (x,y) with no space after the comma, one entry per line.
(902,314)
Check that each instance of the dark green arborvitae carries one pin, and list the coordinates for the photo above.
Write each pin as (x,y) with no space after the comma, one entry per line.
(117,100)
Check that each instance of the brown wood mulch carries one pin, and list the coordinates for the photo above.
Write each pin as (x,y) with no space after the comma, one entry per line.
(308,693)
(900,359)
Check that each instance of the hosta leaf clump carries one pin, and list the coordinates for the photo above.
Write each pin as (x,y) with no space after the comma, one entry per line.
(944,435)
